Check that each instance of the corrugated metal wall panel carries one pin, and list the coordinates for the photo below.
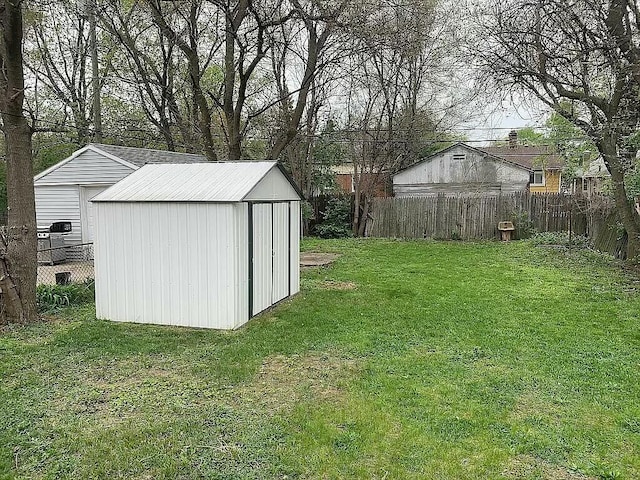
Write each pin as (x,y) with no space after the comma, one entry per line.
(102,266)
(87,168)
(262,257)
(241,244)
(295,234)
(171,264)
(280,247)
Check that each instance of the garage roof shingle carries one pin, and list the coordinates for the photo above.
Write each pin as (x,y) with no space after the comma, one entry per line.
(144,156)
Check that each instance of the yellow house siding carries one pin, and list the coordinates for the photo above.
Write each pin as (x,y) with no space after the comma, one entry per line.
(551,183)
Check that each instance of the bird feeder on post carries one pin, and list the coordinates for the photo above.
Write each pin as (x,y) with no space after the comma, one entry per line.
(506,231)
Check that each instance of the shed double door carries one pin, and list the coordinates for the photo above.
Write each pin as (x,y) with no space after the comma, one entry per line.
(271,268)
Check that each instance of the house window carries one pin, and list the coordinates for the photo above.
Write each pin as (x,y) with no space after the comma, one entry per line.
(585,185)
(537,178)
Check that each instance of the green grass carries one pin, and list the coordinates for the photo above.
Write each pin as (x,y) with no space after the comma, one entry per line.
(402,360)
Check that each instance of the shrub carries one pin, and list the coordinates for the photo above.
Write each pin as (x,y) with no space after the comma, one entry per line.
(307,211)
(336,219)
(523,223)
(54,297)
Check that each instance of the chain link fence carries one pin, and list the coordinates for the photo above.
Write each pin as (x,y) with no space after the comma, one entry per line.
(65,265)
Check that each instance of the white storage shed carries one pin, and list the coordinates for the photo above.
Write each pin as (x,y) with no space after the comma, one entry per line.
(63,191)
(205,245)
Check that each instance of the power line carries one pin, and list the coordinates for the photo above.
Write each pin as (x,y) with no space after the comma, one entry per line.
(440,138)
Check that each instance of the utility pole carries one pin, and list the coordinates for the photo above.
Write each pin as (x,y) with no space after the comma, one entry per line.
(95,80)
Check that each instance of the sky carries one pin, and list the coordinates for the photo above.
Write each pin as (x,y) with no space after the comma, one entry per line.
(500,118)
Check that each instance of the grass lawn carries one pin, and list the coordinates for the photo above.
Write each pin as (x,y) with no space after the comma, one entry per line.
(402,360)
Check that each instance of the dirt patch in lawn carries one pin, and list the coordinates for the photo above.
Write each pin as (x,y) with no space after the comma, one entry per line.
(282,381)
(108,395)
(528,466)
(530,405)
(335,285)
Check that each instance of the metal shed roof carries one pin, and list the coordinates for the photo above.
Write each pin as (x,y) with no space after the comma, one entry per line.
(196,182)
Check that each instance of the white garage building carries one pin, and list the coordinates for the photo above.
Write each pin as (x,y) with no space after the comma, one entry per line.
(63,191)
(204,245)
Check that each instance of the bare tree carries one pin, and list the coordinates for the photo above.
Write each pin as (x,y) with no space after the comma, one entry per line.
(305,57)
(582,59)
(248,34)
(395,83)
(18,241)
(62,57)
(150,66)
(189,39)
(320,23)
(247,25)
(234,77)
(199,69)
(243,28)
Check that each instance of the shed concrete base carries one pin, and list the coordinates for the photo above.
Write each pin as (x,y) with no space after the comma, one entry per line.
(316,259)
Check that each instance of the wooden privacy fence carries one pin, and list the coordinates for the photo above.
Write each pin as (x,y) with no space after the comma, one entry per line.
(477,217)
(605,230)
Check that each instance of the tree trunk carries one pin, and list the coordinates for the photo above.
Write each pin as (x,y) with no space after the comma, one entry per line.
(356,199)
(363,217)
(314,46)
(18,244)
(95,79)
(231,117)
(204,120)
(202,111)
(165,131)
(235,147)
(624,207)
